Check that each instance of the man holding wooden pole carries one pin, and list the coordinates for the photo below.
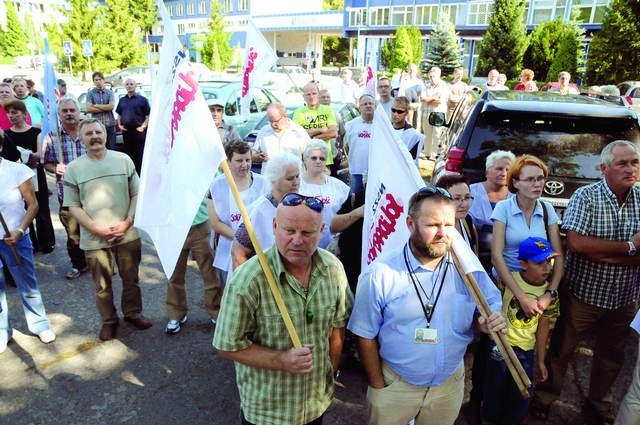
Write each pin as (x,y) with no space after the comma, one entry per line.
(413,316)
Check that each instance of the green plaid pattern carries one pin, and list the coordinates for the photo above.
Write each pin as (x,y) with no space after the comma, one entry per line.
(249,315)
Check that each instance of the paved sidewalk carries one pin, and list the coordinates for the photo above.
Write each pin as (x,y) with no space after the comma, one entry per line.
(148,377)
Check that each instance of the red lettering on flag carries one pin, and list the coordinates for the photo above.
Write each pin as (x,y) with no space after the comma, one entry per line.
(247,71)
(385,224)
(184,96)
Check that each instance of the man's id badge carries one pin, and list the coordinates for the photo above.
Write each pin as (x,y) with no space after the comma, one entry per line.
(425,336)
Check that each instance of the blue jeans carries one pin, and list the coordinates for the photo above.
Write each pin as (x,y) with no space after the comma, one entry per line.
(27,284)
(503,403)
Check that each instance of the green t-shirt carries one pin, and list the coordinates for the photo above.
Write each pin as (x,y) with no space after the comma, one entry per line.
(321,117)
(103,188)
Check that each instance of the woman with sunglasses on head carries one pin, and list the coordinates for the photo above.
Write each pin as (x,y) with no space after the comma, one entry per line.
(518,218)
(412,139)
(283,172)
(314,182)
(458,186)
(16,251)
(224,213)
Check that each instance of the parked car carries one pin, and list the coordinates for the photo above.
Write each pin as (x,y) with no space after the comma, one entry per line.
(74,86)
(566,132)
(229,93)
(630,90)
(141,75)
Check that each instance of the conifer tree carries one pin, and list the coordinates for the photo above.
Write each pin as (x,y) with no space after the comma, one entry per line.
(119,42)
(614,52)
(504,43)
(15,40)
(444,46)
(217,37)
(544,40)
(566,57)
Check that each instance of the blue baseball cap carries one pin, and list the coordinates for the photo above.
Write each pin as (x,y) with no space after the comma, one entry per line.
(536,250)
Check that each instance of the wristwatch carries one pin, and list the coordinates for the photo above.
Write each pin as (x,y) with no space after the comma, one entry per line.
(553,292)
(632,249)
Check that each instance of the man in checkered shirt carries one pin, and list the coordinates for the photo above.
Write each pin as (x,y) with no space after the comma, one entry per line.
(600,286)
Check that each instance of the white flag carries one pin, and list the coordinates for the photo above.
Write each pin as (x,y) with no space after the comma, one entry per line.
(370,81)
(259,59)
(182,151)
(392,179)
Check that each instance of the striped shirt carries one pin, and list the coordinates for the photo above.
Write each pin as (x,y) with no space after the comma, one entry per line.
(102,97)
(593,211)
(249,315)
(71,149)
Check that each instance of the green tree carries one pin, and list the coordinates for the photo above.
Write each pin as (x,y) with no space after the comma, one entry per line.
(119,43)
(335,50)
(505,41)
(566,57)
(614,52)
(15,38)
(543,43)
(385,53)
(332,4)
(82,24)
(218,38)
(444,46)
(55,45)
(144,13)
(406,47)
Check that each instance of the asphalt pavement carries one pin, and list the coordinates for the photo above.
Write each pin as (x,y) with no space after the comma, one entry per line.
(148,377)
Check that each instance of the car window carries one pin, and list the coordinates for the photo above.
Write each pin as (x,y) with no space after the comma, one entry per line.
(569,146)
(636,93)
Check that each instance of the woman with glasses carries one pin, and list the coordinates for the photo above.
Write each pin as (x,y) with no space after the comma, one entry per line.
(521,217)
(224,213)
(315,182)
(16,251)
(412,139)
(283,172)
(458,187)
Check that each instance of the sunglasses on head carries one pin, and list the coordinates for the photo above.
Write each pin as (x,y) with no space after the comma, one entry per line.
(428,191)
(295,199)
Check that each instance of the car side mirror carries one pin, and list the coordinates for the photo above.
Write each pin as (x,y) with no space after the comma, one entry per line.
(437,119)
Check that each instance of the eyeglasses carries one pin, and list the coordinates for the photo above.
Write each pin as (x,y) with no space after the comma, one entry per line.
(429,191)
(277,121)
(318,158)
(530,180)
(295,199)
(398,111)
(462,199)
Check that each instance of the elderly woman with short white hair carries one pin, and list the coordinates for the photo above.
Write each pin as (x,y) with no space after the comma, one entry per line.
(283,172)
(316,183)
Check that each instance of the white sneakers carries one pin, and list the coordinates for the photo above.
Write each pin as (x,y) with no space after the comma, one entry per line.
(47,336)
(174,326)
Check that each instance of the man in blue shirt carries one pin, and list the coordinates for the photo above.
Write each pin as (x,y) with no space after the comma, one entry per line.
(413,317)
(133,116)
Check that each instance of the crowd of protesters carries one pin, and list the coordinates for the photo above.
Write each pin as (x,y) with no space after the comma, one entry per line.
(409,313)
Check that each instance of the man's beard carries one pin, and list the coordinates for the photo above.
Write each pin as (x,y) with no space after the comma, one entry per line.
(421,249)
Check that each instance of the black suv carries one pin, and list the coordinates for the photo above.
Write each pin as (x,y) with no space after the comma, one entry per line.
(566,132)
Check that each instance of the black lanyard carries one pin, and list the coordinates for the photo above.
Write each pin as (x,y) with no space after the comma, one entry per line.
(427,309)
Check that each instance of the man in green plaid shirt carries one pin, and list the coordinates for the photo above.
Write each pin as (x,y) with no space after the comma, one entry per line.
(279,384)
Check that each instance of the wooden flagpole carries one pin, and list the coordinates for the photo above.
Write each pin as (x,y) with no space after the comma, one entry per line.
(263,260)
(513,364)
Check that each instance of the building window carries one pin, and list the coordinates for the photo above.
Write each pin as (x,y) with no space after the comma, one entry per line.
(454,13)
(179,9)
(590,11)
(379,16)
(202,7)
(170,10)
(426,15)
(243,4)
(357,18)
(180,28)
(228,6)
(548,10)
(192,27)
(402,15)
(479,13)
(191,9)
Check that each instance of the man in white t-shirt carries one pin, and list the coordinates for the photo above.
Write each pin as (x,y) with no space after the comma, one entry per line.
(357,140)
(434,99)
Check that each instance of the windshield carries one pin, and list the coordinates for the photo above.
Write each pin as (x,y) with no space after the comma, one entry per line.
(569,145)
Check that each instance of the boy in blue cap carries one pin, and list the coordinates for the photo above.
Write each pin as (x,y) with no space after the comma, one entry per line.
(503,403)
